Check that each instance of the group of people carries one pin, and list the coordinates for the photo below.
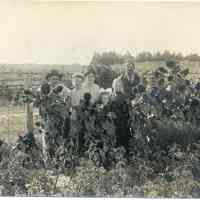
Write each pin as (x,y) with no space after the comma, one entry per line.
(167,94)
(85,83)
(85,89)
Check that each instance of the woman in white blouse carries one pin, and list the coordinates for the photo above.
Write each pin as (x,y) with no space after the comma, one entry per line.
(89,86)
(77,92)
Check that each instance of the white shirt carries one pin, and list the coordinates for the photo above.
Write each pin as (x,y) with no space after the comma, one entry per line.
(66,92)
(93,89)
(76,96)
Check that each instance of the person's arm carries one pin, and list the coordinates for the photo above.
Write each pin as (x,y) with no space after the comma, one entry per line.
(138,79)
(114,86)
(97,92)
(68,96)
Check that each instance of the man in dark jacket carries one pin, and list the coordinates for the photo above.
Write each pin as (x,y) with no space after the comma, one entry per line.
(127,81)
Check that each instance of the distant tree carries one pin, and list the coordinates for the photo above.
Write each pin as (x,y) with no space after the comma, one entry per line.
(157,56)
(192,57)
(167,55)
(95,59)
(179,56)
(112,58)
(107,58)
(104,74)
(144,56)
(128,57)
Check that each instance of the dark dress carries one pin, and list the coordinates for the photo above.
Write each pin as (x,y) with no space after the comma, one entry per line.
(128,86)
(120,108)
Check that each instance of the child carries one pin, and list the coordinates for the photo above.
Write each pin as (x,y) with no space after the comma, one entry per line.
(77,92)
(104,99)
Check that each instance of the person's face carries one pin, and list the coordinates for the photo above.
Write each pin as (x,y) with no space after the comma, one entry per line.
(54,80)
(90,78)
(118,87)
(130,68)
(78,81)
(105,98)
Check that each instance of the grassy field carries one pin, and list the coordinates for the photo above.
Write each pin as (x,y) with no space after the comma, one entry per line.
(12,122)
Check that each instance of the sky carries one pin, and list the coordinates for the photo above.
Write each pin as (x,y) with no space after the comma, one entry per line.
(70,32)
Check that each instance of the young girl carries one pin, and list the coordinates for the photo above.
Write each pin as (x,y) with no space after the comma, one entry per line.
(77,92)
(89,86)
(104,98)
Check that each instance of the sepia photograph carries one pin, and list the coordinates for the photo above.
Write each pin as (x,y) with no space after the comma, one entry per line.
(100,99)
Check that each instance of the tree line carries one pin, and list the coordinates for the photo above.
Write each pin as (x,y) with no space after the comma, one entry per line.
(112,57)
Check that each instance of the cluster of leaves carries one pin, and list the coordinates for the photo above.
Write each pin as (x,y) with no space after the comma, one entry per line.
(15,164)
(93,135)
(137,178)
(104,74)
(166,114)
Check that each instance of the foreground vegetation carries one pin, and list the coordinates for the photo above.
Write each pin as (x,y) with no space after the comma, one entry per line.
(138,179)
